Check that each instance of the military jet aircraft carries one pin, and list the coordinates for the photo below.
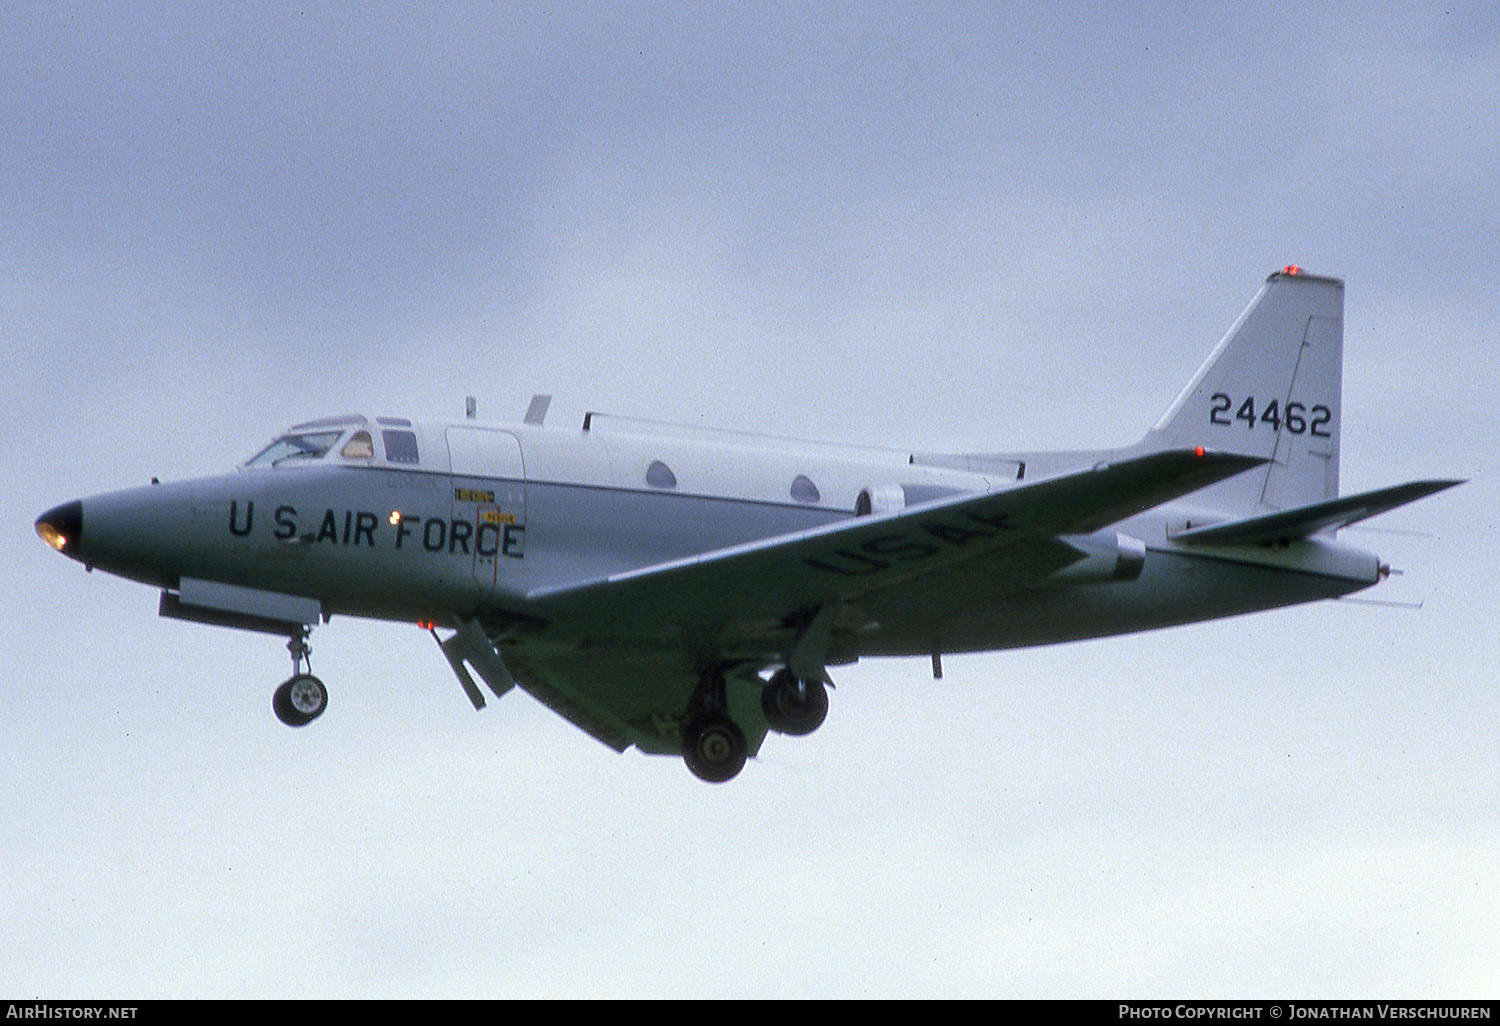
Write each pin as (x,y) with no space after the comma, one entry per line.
(686,591)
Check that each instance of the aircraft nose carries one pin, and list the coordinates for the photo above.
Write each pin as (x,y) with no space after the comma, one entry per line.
(62,526)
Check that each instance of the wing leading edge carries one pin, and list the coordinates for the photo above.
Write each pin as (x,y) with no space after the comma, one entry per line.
(701,600)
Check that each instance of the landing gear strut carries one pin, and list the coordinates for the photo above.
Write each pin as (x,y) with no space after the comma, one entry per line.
(713,746)
(302,697)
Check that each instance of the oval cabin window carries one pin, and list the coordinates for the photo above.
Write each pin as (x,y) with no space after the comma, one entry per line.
(659,475)
(803,489)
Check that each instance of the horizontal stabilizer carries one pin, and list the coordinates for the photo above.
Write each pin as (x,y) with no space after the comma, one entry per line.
(1305,521)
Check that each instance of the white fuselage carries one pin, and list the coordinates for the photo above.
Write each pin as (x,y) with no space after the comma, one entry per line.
(487,514)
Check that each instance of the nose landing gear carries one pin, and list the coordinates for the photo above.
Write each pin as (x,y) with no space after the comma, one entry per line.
(302,697)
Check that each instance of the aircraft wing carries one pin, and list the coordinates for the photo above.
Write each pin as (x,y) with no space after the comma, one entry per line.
(620,655)
(706,604)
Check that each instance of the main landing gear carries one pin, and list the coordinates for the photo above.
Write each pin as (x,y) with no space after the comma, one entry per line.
(793,706)
(713,746)
(302,697)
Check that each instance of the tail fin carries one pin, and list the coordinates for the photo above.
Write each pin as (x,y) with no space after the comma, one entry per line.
(1271,389)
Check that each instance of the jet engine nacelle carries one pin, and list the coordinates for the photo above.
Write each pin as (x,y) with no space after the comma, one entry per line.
(1107,556)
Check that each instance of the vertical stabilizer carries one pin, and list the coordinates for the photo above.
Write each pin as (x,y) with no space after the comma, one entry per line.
(1272,388)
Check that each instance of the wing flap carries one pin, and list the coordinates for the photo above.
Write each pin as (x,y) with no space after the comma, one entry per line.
(594,719)
(625,696)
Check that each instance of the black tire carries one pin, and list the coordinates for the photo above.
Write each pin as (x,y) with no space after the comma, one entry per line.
(300,700)
(714,748)
(793,710)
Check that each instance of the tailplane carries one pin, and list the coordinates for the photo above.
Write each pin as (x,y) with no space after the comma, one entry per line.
(1305,521)
(1272,388)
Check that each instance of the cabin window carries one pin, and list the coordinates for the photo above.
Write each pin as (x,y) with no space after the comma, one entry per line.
(803,489)
(359,447)
(400,446)
(296,446)
(659,475)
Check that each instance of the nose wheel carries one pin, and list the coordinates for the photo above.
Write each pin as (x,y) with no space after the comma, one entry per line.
(301,698)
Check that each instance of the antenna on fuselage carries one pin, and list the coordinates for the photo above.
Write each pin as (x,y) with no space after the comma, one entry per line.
(469,407)
(537,411)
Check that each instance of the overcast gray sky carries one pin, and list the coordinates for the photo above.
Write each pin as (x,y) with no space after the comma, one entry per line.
(942,226)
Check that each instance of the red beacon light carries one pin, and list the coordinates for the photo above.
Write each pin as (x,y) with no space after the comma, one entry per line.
(1291,269)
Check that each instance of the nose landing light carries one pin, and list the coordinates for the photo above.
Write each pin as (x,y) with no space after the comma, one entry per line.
(61,526)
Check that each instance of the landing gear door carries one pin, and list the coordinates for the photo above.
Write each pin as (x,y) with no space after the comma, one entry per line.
(489,495)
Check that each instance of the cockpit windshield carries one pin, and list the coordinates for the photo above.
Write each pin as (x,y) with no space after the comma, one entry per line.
(310,445)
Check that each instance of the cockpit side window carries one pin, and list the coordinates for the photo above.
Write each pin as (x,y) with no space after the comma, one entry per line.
(295,447)
(359,447)
(400,446)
